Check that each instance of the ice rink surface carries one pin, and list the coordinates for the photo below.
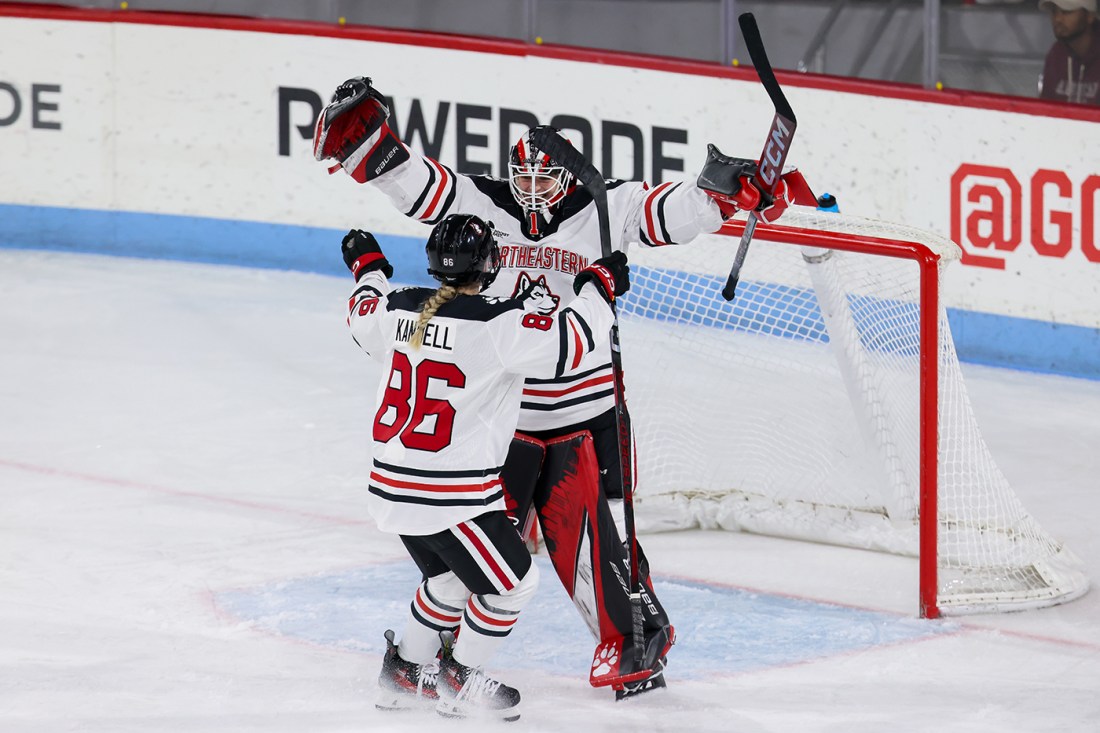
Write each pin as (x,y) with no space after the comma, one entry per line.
(185,546)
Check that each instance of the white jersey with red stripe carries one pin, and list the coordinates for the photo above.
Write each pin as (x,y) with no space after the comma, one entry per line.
(446,412)
(543,256)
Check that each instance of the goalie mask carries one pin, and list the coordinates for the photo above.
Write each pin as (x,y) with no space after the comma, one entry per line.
(462,250)
(538,184)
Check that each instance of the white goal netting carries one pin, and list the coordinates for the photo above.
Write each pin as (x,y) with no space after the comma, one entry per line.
(795,410)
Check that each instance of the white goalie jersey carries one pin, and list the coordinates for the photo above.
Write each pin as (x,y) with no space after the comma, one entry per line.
(446,412)
(542,257)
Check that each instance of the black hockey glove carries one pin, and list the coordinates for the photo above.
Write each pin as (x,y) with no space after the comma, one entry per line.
(352,126)
(610,274)
(362,254)
(731,182)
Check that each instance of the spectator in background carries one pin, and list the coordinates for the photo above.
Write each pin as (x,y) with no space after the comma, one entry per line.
(1072,69)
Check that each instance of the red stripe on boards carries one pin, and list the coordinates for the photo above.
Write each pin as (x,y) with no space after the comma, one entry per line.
(601,57)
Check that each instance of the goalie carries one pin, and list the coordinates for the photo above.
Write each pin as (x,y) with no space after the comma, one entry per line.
(564,463)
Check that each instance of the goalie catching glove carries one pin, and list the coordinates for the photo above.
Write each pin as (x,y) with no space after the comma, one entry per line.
(731,182)
(352,130)
(362,254)
(610,275)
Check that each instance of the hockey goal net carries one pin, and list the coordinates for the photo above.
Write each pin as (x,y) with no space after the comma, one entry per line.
(826,403)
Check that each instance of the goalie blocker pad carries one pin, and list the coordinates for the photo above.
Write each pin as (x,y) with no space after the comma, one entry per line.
(585,548)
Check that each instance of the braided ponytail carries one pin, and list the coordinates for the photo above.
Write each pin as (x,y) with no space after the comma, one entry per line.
(431,305)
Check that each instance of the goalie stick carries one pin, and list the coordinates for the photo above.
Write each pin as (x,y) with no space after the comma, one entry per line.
(564,154)
(775,147)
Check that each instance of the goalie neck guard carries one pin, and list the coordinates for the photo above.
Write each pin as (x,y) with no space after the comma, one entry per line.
(462,250)
(538,184)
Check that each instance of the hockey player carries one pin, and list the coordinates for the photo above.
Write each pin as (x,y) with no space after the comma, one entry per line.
(566,451)
(446,413)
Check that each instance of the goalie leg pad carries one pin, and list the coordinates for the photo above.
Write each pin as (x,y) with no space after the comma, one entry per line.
(586,550)
(520,477)
(616,662)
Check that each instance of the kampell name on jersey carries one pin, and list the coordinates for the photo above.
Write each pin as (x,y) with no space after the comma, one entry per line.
(436,335)
(545,258)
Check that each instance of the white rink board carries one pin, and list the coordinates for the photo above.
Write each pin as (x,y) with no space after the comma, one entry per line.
(185,121)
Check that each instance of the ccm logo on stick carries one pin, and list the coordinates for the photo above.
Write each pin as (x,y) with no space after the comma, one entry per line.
(773,152)
(989,207)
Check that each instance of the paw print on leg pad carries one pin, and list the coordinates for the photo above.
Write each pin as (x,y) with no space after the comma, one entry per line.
(606,660)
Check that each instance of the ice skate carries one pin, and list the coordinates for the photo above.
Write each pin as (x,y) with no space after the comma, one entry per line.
(632,689)
(405,685)
(469,692)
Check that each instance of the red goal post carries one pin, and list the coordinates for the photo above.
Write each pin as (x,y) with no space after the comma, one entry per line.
(928,263)
(826,403)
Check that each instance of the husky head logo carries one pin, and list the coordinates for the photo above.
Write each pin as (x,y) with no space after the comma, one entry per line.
(535,294)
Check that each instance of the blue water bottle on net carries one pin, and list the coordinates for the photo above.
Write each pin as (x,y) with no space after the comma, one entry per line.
(827,202)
